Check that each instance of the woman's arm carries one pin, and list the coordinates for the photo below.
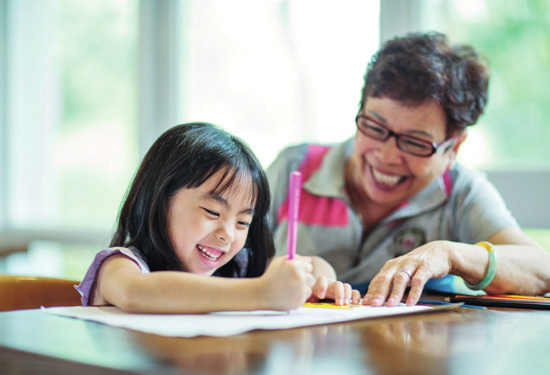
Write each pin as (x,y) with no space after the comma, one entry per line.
(523,267)
(285,285)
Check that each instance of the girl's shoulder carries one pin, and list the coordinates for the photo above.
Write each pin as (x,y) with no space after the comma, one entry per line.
(85,287)
(130,252)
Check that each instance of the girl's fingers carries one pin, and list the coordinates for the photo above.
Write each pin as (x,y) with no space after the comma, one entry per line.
(339,293)
(347,294)
(355,297)
(320,287)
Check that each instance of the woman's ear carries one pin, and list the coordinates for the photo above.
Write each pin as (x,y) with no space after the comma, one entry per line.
(454,149)
(459,139)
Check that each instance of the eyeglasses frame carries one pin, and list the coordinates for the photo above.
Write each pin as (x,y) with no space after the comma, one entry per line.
(435,146)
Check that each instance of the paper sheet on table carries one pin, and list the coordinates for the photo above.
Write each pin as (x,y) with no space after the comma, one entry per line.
(227,323)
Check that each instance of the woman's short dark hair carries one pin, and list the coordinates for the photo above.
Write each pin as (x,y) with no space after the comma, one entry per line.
(185,156)
(421,66)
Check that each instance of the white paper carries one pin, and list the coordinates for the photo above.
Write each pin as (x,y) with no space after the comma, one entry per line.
(226,323)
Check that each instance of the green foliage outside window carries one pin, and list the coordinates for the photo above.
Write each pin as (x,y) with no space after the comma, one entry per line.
(515,37)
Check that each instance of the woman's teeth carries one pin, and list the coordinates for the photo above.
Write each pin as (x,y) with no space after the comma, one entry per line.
(386,179)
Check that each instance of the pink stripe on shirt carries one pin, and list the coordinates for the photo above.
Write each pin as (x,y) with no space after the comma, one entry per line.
(316,210)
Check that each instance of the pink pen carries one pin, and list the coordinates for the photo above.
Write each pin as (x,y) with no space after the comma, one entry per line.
(294,187)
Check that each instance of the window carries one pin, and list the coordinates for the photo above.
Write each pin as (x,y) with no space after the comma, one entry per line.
(92,84)
(510,141)
(277,73)
(71,98)
(69,134)
(88,88)
(513,35)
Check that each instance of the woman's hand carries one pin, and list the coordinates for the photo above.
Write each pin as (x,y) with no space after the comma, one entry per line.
(340,292)
(287,284)
(432,260)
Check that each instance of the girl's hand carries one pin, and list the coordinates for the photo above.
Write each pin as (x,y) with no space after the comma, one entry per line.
(286,284)
(341,293)
(415,269)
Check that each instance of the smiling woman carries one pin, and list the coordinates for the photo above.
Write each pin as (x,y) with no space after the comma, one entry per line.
(379,177)
(407,212)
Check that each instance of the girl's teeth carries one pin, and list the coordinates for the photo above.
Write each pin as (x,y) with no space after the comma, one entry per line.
(208,254)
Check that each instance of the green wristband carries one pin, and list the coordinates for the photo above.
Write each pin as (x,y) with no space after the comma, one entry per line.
(491,270)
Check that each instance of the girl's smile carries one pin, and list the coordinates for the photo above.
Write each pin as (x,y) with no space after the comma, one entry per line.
(206,228)
(209,255)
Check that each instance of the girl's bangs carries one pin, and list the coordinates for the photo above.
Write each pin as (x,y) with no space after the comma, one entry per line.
(237,178)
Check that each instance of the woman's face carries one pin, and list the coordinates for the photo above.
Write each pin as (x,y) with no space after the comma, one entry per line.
(384,173)
(208,230)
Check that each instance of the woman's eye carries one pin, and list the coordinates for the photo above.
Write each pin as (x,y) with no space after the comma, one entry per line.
(411,143)
(375,128)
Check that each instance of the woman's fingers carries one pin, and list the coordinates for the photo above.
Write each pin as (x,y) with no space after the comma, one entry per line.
(413,269)
(401,280)
(378,289)
(421,276)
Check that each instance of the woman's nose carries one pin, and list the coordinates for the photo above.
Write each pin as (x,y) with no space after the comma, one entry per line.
(389,151)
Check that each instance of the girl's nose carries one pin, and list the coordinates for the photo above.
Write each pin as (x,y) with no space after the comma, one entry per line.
(225,233)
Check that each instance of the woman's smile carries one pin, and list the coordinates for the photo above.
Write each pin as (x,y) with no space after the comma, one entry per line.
(386,181)
(388,174)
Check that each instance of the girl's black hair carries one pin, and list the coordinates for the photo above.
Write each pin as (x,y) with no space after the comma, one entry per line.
(185,156)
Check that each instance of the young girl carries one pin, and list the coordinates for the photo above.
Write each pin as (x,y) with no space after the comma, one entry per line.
(199,204)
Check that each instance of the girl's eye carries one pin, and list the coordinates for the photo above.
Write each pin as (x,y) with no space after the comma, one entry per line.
(211,213)
(244,224)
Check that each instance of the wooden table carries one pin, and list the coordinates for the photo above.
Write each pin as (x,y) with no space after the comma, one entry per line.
(461,341)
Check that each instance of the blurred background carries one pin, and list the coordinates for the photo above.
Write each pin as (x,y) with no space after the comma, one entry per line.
(86,86)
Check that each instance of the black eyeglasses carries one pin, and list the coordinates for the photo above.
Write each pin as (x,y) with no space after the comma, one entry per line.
(409,144)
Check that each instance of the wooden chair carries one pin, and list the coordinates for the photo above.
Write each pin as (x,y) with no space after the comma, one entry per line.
(30,292)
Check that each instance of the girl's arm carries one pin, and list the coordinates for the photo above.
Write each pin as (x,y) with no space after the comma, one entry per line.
(323,268)
(284,286)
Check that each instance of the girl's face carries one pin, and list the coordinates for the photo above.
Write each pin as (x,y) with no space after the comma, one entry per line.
(388,175)
(207,230)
